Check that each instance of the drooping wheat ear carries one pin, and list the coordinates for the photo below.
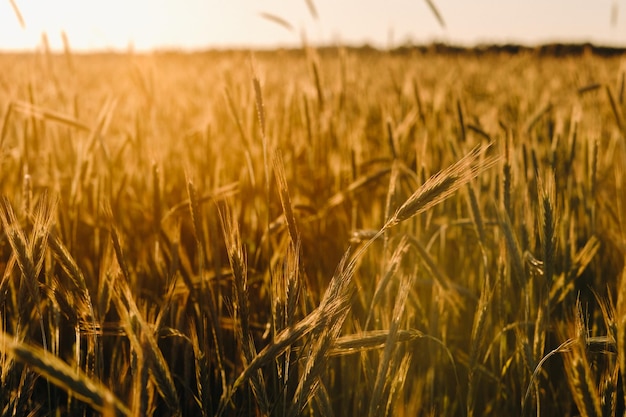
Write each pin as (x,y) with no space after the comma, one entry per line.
(443,184)
(63,375)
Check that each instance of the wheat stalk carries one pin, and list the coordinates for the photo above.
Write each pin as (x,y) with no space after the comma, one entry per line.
(63,375)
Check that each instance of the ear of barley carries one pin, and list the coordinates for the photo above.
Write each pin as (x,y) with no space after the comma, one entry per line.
(443,184)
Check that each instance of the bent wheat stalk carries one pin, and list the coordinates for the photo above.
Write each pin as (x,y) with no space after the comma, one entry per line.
(63,375)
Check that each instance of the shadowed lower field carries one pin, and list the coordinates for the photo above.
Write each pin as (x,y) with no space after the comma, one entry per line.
(334,232)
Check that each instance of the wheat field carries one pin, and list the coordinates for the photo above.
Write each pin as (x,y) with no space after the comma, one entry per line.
(312,232)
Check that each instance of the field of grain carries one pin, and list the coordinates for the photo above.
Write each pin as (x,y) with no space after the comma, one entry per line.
(315,232)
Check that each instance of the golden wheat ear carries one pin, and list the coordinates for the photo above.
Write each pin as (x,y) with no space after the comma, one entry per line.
(443,184)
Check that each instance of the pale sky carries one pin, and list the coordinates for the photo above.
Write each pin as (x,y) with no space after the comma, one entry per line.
(198,24)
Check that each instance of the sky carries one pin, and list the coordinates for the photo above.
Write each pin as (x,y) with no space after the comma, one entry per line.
(200,24)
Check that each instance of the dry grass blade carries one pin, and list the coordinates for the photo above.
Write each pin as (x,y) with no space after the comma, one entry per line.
(218,194)
(18,14)
(312,9)
(63,375)
(435,11)
(370,340)
(357,184)
(45,114)
(443,184)
(278,20)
